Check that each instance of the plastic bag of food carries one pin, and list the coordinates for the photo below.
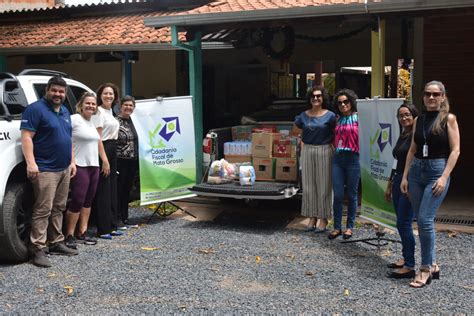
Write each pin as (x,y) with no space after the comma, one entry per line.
(247,175)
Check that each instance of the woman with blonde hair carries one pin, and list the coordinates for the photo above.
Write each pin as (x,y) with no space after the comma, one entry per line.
(433,153)
(86,147)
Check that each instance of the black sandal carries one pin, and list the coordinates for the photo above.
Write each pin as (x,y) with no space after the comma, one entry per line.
(396,265)
(334,234)
(347,234)
(435,272)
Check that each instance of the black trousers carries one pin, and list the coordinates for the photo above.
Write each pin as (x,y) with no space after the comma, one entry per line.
(127,169)
(104,207)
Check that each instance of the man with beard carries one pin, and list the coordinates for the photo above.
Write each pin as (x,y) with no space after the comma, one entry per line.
(47,147)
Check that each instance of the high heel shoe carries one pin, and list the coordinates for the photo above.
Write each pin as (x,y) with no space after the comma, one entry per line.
(419,283)
(435,272)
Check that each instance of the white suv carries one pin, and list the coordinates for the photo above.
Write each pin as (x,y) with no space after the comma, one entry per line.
(16,197)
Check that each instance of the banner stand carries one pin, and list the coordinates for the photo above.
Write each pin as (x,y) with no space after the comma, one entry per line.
(378,132)
(378,241)
(162,205)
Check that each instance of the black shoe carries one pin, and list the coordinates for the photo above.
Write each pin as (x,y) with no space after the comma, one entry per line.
(407,275)
(333,234)
(61,249)
(395,265)
(86,240)
(40,259)
(347,234)
(71,242)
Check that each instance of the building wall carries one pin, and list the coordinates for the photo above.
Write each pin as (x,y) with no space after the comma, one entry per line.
(154,73)
(448,57)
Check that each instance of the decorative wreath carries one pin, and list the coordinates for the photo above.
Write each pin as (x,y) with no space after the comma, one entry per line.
(269,42)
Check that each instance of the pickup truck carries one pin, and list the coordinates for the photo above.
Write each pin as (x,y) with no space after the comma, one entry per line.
(261,190)
(16,197)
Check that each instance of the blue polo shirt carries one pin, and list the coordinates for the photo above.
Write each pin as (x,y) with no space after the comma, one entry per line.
(52,141)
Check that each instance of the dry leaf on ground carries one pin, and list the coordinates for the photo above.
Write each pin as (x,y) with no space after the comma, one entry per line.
(69,289)
(258,259)
(206,251)
(346,292)
(452,234)
(149,248)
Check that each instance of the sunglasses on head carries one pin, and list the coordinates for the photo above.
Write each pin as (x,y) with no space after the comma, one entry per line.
(432,94)
(316,96)
(345,102)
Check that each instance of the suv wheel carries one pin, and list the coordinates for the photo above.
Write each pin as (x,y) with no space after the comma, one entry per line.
(16,216)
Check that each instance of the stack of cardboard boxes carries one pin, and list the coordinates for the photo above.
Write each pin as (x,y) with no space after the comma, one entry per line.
(273,152)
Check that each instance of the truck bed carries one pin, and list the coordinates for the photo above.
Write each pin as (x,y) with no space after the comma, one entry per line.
(260,190)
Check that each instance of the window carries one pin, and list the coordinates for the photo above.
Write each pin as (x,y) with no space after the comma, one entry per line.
(77,92)
(40,89)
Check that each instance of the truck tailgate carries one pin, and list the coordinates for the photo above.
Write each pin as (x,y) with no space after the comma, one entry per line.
(260,190)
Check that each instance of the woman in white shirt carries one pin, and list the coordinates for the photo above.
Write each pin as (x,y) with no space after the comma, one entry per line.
(105,202)
(86,148)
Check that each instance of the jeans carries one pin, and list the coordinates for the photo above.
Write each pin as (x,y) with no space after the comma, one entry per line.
(404,213)
(345,172)
(423,173)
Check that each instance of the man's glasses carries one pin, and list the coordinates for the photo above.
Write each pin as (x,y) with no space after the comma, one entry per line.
(432,94)
(345,102)
(316,96)
(405,116)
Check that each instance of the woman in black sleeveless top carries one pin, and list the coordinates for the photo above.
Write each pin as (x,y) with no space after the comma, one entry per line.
(406,115)
(434,151)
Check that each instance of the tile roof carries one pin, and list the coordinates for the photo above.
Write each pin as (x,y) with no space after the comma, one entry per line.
(219,6)
(83,31)
(122,28)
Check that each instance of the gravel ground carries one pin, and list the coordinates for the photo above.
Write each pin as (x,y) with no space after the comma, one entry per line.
(238,263)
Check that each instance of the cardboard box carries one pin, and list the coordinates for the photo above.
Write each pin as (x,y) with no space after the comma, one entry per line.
(264,129)
(242,132)
(264,168)
(284,147)
(238,158)
(286,169)
(262,144)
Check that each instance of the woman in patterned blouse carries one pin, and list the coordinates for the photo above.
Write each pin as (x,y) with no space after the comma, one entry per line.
(345,168)
(127,155)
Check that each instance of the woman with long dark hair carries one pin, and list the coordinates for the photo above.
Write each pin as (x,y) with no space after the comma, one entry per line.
(406,115)
(105,203)
(346,167)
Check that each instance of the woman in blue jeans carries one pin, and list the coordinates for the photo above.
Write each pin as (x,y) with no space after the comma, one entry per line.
(346,167)
(434,151)
(406,115)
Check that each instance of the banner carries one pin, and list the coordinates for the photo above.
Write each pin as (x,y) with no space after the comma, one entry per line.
(167,160)
(378,134)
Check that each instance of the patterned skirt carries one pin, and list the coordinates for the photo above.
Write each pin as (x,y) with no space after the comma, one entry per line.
(316,164)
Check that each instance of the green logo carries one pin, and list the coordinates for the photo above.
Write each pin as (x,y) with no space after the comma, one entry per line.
(153,135)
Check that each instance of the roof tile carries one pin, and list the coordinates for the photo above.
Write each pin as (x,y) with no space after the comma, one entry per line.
(126,28)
